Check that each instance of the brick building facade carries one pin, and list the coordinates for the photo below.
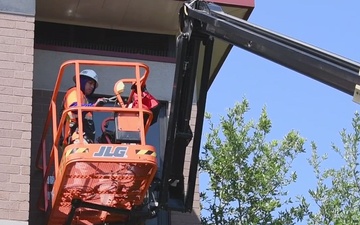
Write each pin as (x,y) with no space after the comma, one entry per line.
(31,50)
(23,108)
(16,82)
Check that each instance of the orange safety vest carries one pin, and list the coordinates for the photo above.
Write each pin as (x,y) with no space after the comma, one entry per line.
(71,125)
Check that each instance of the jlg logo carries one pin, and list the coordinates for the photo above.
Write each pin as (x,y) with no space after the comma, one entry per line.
(107,151)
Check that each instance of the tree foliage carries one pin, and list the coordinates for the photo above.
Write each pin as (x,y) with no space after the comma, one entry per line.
(248,174)
(337,194)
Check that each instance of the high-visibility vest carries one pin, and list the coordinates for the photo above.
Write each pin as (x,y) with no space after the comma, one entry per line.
(71,117)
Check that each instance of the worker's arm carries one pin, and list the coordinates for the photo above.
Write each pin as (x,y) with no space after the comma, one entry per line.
(99,102)
(85,104)
(71,100)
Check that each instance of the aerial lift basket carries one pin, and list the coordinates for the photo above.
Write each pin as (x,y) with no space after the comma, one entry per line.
(103,182)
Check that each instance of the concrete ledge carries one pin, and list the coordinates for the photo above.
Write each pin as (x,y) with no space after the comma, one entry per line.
(13,222)
(20,7)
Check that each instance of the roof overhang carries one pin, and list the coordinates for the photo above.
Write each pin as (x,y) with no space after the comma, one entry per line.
(156,16)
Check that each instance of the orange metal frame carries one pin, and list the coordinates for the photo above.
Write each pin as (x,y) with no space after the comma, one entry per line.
(114,175)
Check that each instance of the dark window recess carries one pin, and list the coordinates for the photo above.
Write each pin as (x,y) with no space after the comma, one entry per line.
(64,35)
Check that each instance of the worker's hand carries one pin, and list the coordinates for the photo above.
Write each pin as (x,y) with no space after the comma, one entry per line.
(100,101)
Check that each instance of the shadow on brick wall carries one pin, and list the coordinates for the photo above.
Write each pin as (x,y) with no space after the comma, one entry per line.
(178,218)
(41,101)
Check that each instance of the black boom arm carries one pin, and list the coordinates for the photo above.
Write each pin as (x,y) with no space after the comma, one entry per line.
(200,22)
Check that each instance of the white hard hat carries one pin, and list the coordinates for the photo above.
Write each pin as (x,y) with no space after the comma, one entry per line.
(91,74)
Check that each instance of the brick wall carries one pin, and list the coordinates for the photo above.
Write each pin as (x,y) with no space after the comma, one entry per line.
(16,81)
(41,101)
(193,218)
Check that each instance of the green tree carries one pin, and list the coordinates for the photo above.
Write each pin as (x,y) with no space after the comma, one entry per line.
(337,194)
(247,174)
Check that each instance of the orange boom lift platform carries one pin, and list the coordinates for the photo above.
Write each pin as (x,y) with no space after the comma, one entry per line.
(110,181)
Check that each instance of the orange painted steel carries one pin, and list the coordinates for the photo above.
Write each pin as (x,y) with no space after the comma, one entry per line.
(108,174)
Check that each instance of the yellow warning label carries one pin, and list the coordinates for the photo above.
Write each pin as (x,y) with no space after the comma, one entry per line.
(76,150)
(146,152)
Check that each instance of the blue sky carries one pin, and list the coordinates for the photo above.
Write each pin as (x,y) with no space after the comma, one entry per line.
(294,101)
